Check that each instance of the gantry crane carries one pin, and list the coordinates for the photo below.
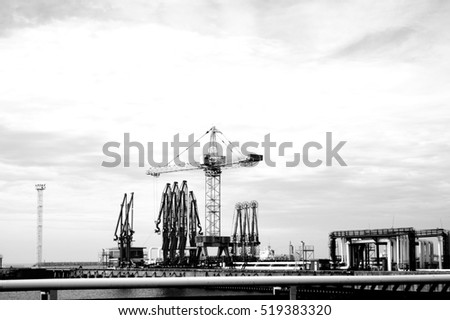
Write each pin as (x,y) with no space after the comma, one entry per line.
(213,164)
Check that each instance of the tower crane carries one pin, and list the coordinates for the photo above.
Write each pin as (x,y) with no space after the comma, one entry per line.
(213,164)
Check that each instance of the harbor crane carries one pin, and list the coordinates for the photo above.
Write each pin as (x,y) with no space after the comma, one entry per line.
(124,230)
(213,164)
(180,225)
(245,234)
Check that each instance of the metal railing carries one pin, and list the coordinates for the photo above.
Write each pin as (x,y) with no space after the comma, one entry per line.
(49,287)
(372,232)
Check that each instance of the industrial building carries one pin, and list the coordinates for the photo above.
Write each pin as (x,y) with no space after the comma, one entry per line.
(394,249)
(112,257)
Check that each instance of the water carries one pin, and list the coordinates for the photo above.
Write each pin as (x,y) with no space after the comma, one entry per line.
(99,294)
(163,293)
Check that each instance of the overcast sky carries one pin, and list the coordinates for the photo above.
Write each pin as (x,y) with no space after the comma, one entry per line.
(77,74)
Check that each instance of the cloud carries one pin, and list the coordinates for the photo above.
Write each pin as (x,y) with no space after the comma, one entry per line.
(386,42)
(22,13)
(33,148)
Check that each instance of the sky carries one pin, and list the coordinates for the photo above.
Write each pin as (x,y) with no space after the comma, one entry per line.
(77,74)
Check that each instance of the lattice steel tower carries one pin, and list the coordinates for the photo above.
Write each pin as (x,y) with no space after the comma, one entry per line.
(40,210)
(213,162)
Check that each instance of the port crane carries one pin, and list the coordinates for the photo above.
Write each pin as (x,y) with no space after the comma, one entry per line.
(245,234)
(213,164)
(124,230)
(180,225)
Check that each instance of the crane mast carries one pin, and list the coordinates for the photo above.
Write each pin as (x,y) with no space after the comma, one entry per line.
(213,163)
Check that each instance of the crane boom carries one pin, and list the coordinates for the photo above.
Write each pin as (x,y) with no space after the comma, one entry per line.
(249,161)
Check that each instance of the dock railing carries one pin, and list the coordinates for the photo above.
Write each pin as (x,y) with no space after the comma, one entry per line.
(50,287)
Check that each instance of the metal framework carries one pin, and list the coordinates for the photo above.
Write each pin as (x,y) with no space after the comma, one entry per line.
(443,241)
(213,163)
(362,248)
(245,235)
(195,228)
(40,212)
(180,223)
(124,230)
(212,202)
(254,234)
(368,233)
(305,252)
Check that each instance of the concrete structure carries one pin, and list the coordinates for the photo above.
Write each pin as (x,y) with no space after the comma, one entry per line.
(40,211)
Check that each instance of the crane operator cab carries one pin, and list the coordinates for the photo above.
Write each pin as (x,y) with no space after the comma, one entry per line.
(213,160)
